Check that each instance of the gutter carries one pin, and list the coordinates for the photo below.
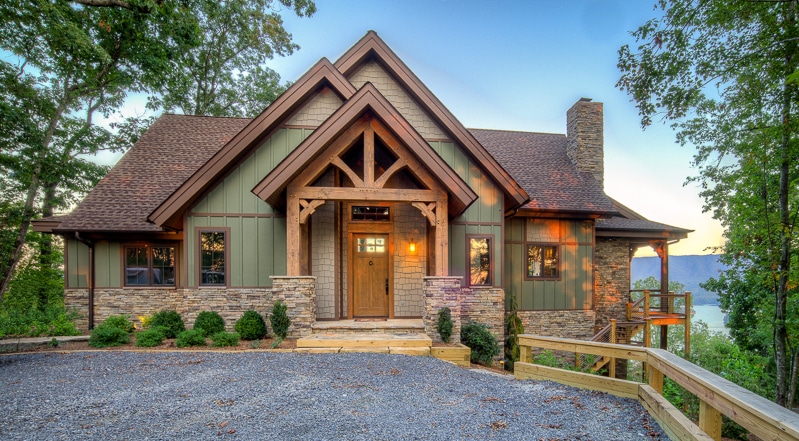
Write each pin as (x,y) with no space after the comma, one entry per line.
(89,244)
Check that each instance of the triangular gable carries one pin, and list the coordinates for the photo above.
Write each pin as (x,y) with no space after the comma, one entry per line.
(367,99)
(371,46)
(323,74)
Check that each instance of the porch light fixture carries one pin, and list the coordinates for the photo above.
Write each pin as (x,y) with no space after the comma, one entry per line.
(412,247)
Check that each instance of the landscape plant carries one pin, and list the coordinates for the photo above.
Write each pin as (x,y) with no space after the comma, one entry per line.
(279,320)
(105,336)
(209,322)
(170,320)
(150,337)
(479,339)
(251,326)
(191,337)
(222,339)
(444,324)
(513,328)
(121,321)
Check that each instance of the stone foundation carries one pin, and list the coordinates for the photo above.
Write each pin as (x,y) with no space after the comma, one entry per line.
(611,280)
(298,293)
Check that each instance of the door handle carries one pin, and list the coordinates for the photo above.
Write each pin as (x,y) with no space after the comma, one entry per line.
(386,286)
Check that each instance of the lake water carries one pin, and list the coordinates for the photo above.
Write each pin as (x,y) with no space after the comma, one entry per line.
(712,315)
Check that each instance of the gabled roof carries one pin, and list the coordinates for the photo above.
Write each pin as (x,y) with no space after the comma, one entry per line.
(170,151)
(538,162)
(372,47)
(323,74)
(367,99)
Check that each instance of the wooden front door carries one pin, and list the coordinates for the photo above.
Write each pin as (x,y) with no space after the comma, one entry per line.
(370,271)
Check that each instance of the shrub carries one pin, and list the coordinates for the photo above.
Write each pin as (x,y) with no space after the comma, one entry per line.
(150,337)
(120,321)
(444,324)
(482,343)
(221,339)
(170,320)
(193,337)
(251,326)
(280,320)
(105,336)
(513,328)
(209,323)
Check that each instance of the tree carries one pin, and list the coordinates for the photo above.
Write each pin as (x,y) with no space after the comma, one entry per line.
(725,75)
(225,74)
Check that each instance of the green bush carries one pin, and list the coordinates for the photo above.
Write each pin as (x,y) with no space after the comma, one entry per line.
(120,321)
(209,323)
(280,320)
(150,337)
(170,320)
(193,337)
(513,328)
(104,336)
(251,326)
(221,339)
(444,324)
(483,344)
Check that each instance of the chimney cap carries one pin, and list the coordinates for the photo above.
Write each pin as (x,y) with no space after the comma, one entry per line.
(585,100)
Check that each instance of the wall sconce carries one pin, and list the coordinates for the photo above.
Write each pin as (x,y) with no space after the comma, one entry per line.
(412,247)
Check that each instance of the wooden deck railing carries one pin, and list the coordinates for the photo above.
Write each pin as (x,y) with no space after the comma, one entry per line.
(716,395)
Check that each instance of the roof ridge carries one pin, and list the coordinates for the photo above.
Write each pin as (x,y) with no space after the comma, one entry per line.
(204,116)
(516,131)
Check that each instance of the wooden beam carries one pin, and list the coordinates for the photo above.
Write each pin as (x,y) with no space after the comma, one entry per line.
(395,167)
(308,208)
(366,194)
(427,211)
(356,180)
(614,386)
(709,420)
(293,236)
(676,425)
(369,157)
(442,237)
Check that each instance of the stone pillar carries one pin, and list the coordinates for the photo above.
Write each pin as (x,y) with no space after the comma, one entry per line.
(299,295)
(440,292)
(486,306)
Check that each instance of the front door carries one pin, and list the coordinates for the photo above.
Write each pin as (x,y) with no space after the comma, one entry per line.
(370,284)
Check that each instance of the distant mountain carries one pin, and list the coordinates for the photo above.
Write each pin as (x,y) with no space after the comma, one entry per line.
(688,270)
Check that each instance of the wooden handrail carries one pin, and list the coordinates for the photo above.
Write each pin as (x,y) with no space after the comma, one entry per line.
(717,396)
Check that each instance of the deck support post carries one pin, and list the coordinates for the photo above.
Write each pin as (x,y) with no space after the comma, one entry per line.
(687,315)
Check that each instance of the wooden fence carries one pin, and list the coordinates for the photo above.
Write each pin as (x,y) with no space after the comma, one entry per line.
(716,395)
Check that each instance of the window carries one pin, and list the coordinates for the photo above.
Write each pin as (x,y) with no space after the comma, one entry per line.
(371,245)
(379,214)
(479,261)
(212,258)
(542,261)
(148,265)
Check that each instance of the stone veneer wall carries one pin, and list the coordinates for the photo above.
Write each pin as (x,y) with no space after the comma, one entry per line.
(611,280)
(576,324)
(440,292)
(298,293)
(486,306)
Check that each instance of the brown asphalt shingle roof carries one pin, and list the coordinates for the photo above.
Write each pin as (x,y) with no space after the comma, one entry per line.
(538,162)
(173,148)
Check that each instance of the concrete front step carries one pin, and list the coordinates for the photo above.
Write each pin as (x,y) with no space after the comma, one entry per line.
(366,340)
(369,326)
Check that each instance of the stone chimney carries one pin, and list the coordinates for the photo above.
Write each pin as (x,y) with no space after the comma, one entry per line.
(585,139)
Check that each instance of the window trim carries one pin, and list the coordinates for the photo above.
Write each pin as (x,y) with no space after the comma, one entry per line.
(555,245)
(198,256)
(149,246)
(491,245)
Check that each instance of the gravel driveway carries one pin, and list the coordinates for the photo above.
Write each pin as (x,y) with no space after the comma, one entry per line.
(289,396)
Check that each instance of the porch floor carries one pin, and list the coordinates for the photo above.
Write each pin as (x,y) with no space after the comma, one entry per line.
(396,336)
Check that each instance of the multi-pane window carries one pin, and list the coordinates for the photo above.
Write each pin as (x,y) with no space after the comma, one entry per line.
(379,214)
(371,245)
(542,261)
(212,258)
(479,261)
(149,265)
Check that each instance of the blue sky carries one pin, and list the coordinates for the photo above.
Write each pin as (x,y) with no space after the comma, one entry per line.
(519,66)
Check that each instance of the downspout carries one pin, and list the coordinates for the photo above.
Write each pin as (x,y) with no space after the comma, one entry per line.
(89,244)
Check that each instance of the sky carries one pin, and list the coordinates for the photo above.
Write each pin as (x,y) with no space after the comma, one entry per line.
(520,65)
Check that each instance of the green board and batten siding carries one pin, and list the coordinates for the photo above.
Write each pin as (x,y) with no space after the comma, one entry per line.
(573,290)
(483,217)
(231,204)
(107,261)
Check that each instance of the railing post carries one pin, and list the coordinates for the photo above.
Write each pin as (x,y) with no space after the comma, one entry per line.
(687,324)
(709,420)
(647,332)
(629,311)
(612,363)
(671,302)
(525,354)
(655,378)
(646,305)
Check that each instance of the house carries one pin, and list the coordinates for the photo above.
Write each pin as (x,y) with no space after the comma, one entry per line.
(357,194)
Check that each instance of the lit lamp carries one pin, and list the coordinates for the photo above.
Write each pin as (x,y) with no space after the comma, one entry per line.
(412,247)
